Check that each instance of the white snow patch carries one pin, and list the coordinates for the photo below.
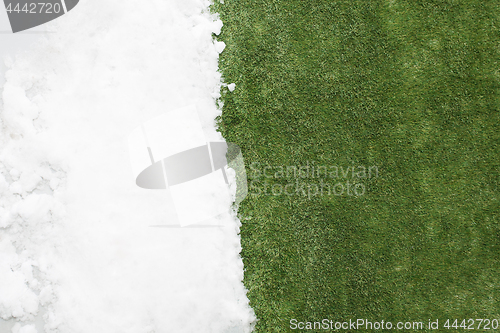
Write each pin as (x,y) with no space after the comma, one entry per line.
(217,27)
(231,87)
(24,329)
(16,299)
(74,235)
(220,46)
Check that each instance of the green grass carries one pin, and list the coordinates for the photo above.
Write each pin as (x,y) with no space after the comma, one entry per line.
(409,86)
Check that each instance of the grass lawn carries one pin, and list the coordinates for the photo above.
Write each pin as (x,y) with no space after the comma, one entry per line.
(411,87)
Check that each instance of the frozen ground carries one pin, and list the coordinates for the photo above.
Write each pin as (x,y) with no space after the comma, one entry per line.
(76,249)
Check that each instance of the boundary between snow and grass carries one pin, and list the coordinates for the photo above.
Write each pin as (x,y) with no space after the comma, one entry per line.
(60,156)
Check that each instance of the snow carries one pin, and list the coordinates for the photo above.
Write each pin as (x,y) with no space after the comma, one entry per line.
(231,87)
(24,329)
(220,46)
(76,246)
